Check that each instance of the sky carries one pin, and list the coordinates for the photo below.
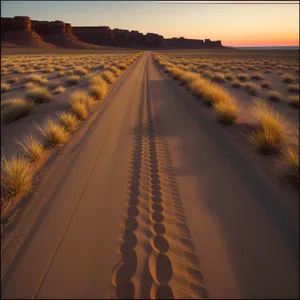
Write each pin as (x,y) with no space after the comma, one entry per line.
(242,25)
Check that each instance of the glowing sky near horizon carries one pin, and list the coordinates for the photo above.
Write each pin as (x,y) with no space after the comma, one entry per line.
(234,24)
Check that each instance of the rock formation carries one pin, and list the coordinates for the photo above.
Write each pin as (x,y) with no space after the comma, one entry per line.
(62,34)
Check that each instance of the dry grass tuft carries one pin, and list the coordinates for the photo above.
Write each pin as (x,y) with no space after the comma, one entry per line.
(108,76)
(265,84)
(98,91)
(16,176)
(80,71)
(272,132)
(218,77)
(38,79)
(68,120)
(236,84)
(13,80)
(294,101)
(288,78)
(122,66)
(72,80)
(80,102)
(226,111)
(290,160)
(16,108)
(293,88)
(242,76)
(274,96)
(38,95)
(60,74)
(54,133)
(32,147)
(59,90)
(4,87)
(252,88)
(257,76)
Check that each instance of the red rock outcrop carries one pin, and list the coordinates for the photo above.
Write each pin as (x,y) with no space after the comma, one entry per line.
(62,34)
(15,23)
(100,35)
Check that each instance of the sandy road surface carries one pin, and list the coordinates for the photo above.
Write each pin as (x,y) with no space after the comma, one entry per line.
(151,202)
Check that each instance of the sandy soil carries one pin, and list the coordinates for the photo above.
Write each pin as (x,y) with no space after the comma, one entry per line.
(154,199)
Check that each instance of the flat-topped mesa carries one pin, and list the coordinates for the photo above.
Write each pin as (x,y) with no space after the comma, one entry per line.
(45,27)
(192,43)
(98,35)
(154,40)
(16,23)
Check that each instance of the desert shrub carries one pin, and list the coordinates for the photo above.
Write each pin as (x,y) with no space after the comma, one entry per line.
(236,84)
(59,90)
(80,71)
(4,87)
(13,80)
(80,102)
(98,91)
(274,96)
(16,176)
(108,76)
(272,132)
(293,88)
(294,101)
(226,112)
(96,80)
(54,133)
(72,80)
(229,77)
(32,147)
(38,94)
(257,76)
(115,70)
(218,77)
(288,78)
(38,79)
(15,108)
(265,84)
(252,88)
(242,76)
(290,160)
(122,66)
(68,120)
(60,73)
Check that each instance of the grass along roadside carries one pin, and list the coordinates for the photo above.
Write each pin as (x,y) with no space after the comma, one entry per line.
(17,172)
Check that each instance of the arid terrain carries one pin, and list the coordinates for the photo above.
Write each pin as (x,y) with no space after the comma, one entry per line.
(165,174)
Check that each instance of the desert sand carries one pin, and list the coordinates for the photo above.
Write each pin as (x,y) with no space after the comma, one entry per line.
(152,198)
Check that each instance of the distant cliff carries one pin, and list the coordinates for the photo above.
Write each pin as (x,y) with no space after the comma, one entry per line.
(63,34)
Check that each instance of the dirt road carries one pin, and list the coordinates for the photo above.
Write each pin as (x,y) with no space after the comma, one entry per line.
(151,200)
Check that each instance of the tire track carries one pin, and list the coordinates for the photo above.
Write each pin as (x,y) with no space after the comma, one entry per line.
(158,257)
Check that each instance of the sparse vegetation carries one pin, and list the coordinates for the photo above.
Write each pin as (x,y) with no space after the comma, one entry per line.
(294,101)
(265,84)
(38,95)
(59,90)
(108,76)
(257,76)
(226,111)
(288,78)
(32,147)
(252,88)
(16,176)
(68,120)
(72,80)
(54,133)
(293,88)
(4,87)
(16,108)
(272,132)
(274,96)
